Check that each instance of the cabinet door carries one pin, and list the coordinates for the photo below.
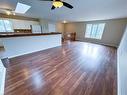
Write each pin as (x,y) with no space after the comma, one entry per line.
(2,29)
(52,27)
(36,29)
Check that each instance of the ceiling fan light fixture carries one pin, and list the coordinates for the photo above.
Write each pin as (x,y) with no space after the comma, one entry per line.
(57,4)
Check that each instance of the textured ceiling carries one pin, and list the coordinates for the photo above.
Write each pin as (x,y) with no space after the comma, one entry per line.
(84,10)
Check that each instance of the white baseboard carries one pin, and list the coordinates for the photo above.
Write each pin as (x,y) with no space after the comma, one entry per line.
(112,45)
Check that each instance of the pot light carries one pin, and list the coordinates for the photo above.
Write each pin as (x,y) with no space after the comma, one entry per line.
(22,8)
(57,4)
(13,13)
(8,12)
(64,21)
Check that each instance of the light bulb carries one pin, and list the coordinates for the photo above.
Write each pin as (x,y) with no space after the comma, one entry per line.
(57,4)
(8,12)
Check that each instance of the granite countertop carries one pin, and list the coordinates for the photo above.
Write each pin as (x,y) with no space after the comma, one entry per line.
(5,35)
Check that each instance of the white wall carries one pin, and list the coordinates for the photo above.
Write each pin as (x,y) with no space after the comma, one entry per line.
(113,32)
(2,78)
(122,65)
(60,27)
(15,46)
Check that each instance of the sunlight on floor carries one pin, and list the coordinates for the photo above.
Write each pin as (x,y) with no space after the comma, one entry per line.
(91,51)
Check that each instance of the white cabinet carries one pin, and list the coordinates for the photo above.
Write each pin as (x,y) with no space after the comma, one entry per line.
(36,29)
(23,24)
(52,27)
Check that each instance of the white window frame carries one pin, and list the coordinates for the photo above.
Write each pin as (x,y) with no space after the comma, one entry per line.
(93,31)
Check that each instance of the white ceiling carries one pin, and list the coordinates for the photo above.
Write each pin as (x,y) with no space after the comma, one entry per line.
(84,10)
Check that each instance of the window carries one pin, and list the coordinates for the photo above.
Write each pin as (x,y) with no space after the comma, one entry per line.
(94,31)
(6,26)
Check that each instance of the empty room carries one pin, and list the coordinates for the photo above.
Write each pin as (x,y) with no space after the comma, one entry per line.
(63,47)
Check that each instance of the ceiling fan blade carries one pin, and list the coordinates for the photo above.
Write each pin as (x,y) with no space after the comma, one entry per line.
(53,7)
(67,5)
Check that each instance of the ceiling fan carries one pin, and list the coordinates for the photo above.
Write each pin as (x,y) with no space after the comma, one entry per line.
(58,4)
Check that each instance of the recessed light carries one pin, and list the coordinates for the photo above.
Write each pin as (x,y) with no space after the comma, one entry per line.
(13,13)
(64,21)
(8,12)
(22,8)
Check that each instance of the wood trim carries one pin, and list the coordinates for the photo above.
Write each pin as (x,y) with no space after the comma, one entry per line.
(18,17)
(26,34)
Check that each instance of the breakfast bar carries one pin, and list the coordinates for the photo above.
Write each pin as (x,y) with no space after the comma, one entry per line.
(20,44)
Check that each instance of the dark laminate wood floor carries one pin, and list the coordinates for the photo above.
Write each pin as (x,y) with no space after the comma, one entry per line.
(74,69)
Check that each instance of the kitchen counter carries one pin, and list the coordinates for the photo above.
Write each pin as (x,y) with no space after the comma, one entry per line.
(3,35)
(20,44)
